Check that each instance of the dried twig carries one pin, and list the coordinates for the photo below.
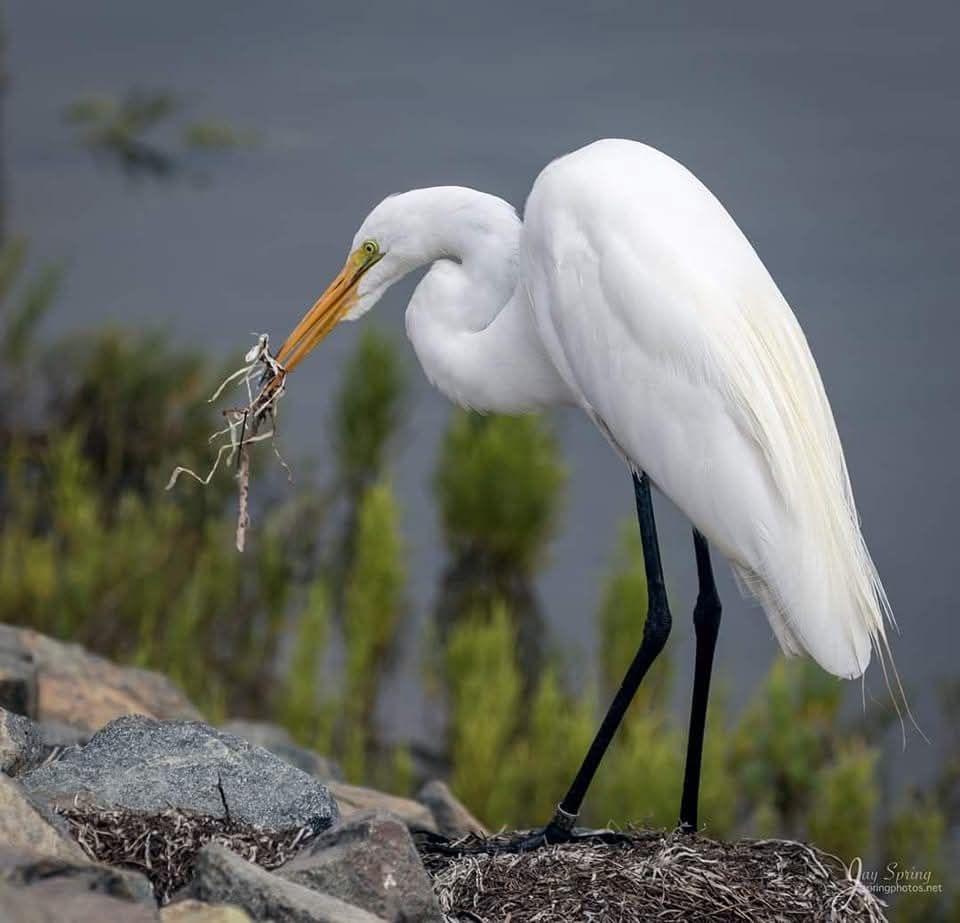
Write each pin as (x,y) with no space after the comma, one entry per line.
(654,876)
(244,425)
(162,846)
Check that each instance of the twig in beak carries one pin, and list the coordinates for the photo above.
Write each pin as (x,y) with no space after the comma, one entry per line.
(243,426)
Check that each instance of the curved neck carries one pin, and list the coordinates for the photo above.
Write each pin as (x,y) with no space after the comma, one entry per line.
(470,320)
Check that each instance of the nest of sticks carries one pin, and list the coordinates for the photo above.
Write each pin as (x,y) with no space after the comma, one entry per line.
(245,425)
(652,876)
(163,846)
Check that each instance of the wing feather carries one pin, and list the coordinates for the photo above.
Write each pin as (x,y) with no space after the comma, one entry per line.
(629,254)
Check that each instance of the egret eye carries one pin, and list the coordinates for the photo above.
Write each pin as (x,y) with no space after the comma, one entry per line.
(370,248)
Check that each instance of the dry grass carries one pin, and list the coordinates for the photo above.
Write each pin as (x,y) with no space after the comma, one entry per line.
(162,846)
(243,425)
(654,876)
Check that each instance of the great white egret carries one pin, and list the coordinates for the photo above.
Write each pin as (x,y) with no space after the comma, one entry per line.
(628,291)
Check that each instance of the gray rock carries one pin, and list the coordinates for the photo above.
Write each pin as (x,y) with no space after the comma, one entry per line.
(278,741)
(21,747)
(16,906)
(453,819)
(146,765)
(18,677)
(26,826)
(220,876)
(28,870)
(369,860)
(355,799)
(56,735)
(73,686)
(37,890)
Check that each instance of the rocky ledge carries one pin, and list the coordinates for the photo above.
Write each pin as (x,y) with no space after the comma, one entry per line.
(117,803)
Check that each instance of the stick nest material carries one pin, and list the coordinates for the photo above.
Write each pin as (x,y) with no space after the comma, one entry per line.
(244,425)
(162,846)
(654,876)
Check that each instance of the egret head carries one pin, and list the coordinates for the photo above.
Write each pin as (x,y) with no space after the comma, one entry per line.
(356,288)
(387,246)
(402,233)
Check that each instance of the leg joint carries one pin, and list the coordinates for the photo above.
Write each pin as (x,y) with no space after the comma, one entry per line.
(656,630)
(707,611)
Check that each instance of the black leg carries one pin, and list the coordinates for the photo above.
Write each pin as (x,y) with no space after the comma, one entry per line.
(655,633)
(706,622)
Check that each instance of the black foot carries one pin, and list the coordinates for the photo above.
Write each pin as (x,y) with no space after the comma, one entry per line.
(518,842)
(551,835)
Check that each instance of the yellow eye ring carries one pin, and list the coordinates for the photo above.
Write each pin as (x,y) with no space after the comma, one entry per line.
(370,247)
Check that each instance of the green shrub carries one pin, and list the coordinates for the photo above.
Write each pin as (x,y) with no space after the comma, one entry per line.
(373,601)
(368,410)
(845,796)
(623,614)
(785,737)
(92,549)
(307,709)
(498,482)
(917,839)
(484,699)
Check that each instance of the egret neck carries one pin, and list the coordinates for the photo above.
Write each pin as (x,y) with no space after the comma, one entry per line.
(470,321)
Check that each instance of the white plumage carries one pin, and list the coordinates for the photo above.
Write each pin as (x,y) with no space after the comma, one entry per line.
(670,330)
(629,291)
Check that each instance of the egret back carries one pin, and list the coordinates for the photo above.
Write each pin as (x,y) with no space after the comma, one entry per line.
(664,322)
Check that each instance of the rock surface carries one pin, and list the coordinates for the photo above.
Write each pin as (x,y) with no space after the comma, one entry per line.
(21,746)
(56,735)
(146,765)
(368,860)
(355,798)
(221,876)
(37,888)
(27,826)
(452,818)
(278,741)
(191,911)
(76,687)
(18,677)
(26,869)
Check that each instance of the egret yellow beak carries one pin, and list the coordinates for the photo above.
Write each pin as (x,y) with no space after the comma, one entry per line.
(330,307)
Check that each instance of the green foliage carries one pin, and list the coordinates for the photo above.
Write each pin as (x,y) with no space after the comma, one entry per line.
(718,783)
(307,710)
(845,795)
(373,603)
(640,781)
(367,414)
(138,579)
(917,839)
(623,614)
(368,409)
(484,697)
(498,482)
(546,752)
(140,407)
(93,549)
(785,737)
